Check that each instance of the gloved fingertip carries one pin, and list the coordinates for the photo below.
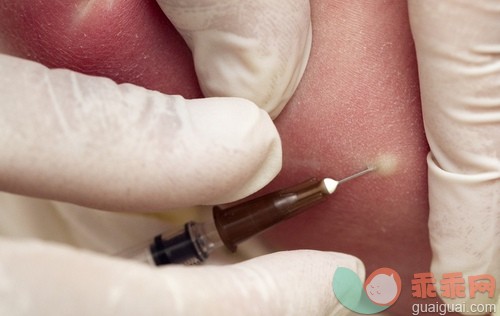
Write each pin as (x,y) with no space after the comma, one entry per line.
(228,65)
(309,270)
(244,142)
(260,55)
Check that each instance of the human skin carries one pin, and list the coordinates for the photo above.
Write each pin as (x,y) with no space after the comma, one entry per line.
(357,102)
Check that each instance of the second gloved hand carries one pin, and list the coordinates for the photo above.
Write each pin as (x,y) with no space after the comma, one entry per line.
(66,281)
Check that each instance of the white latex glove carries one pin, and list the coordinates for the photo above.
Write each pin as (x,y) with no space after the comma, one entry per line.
(86,140)
(89,141)
(81,283)
(458,51)
(272,38)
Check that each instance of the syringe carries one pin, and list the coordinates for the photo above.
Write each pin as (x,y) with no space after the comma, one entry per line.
(234,224)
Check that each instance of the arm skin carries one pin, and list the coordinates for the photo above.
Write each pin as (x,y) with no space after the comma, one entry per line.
(358,101)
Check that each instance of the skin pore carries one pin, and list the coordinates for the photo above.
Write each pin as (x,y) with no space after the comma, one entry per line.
(357,104)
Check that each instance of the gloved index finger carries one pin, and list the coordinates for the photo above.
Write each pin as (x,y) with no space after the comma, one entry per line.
(89,141)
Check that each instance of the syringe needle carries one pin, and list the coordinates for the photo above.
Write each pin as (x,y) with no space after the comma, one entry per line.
(359,174)
(234,224)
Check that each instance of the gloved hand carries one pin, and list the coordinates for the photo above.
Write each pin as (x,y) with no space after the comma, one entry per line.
(458,50)
(89,141)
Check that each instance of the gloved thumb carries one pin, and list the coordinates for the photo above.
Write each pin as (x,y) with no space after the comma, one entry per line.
(65,281)
(89,141)
(257,50)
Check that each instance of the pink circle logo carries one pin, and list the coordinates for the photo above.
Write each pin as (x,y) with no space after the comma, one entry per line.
(383,286)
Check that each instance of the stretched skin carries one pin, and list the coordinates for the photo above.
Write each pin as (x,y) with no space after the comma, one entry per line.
(357,104)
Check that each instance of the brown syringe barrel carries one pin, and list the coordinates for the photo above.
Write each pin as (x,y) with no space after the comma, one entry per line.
(238,223)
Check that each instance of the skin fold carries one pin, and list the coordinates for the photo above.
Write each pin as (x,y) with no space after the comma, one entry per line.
(357,104)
